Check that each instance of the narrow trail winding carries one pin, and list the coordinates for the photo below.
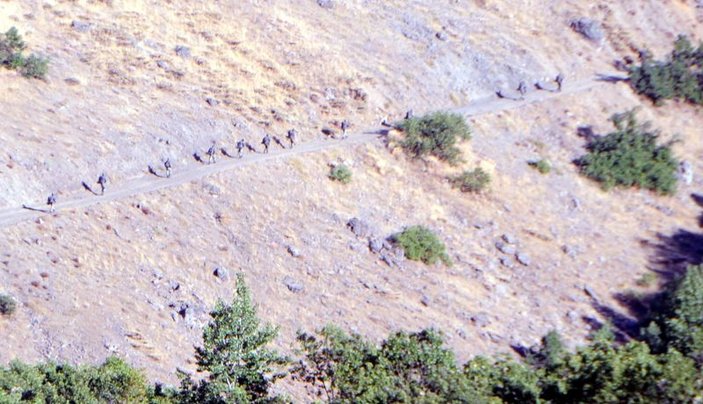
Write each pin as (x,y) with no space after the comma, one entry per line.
(149,182)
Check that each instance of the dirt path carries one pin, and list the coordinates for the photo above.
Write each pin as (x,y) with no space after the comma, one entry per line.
(149,182)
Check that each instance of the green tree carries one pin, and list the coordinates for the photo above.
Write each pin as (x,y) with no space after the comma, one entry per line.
(630,157)
(406,368)
(678,319)
(680,76)
(235,355)
(435,134)
(112,382)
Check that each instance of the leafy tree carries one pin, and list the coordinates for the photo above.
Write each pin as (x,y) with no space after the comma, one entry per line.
(112,382)
(435,134)
(234,354)
(406,368)
(503,380)
(678,77)
(605,373)
(630,157)
(678,319)
(420,244)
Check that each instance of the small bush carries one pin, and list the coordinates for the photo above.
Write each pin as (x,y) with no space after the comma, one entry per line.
(11,47)
(35,67)
(679,77)
(420,244)
(341,173)
(7,305)
(542,166)
(646,280)
(435,134)
(475,180)
(630,157)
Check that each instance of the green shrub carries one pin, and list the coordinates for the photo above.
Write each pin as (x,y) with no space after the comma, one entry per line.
(678,77)
(341,173)
(475,180)
(7,305)
(542,166)
(630,157)
(35,67)
(11,47)
(420,244)
(435,134)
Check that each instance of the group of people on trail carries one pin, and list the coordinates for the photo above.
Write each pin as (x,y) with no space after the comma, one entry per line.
(522,88)
(291,135)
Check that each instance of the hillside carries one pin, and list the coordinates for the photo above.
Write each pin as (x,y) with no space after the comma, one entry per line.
(132,83)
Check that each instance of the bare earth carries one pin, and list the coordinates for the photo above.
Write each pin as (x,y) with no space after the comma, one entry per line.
(107,274)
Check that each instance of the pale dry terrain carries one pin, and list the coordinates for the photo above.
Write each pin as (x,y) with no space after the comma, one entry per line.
(100,279)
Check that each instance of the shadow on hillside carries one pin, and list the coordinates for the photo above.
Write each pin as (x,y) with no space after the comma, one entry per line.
(670,256)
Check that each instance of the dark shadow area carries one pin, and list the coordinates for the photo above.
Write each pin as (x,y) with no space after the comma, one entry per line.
(198,158)
(610,78)
(521,350)
(587,133)
(624,326)
(226,153)
(380,132)
(278,141)
(552,88)
(153,172)
(698,199)
(672,254)
(36,209)
(329,132)
(670,257)
(88,188)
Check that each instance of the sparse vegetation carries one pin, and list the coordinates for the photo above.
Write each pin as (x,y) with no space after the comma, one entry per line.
(421,244)
(476,180)
(435,134)
(541,165)
(679,77)
(7,305)
(341,173)
(647,280)
(630,157)
(11,48)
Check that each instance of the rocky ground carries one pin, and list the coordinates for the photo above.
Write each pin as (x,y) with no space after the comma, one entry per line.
(133,82)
